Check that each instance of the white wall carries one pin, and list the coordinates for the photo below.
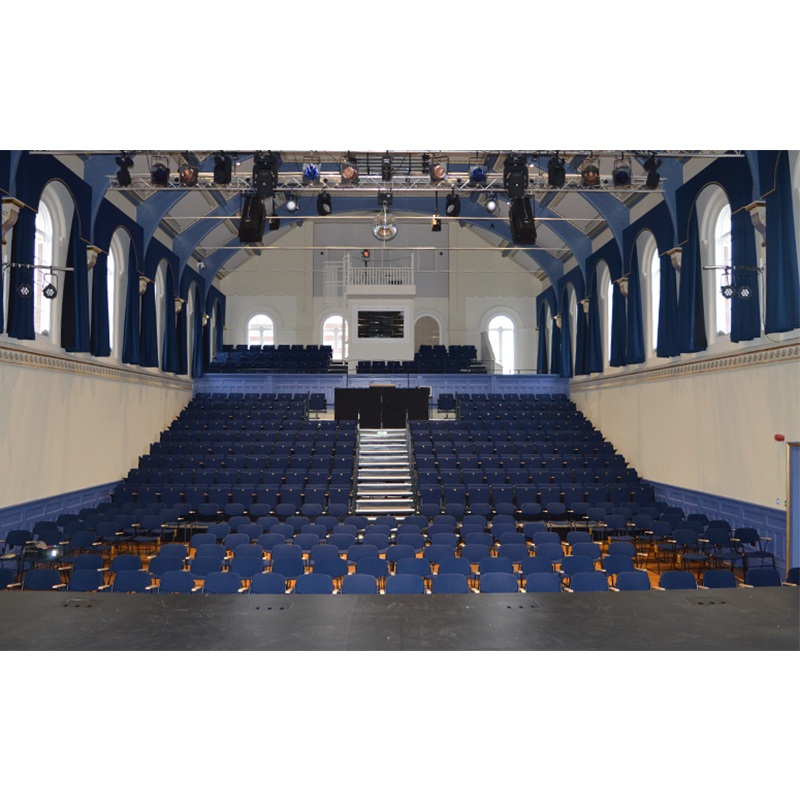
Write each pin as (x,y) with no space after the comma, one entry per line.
(62,431)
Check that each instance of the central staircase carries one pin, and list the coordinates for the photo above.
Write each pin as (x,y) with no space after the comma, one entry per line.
(384,483)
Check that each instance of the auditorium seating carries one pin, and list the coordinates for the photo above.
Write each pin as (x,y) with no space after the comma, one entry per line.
(313,359)
(429,359)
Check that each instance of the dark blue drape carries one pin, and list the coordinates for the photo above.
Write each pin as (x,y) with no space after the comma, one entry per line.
(541,361)
(594,336)
(100,333)
(170,353)
(668,311)
(183,367)
(634,341)
(20,309)
(555,349)
(220,327)
(580,341)
(618,327)
(745,314)
(130,339)
(197,347)
(148,330)
(691,315)
(75,295)
(566,343)
(782,281)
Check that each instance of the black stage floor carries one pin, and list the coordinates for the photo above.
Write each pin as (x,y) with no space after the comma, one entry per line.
(721,619)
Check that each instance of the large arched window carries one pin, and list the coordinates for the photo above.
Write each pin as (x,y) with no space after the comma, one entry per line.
(722,255)
(655,297)
(260,330)
(501,337)
(111,288)
(43,256)
(572,321)
(606,302)
(160,289)
(334,335)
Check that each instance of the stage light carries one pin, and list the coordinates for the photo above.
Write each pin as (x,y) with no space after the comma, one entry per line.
(384,226)
(349,170)
(745,292)
(651,165)
(522,222)
(324,205)
(452,205)
(189,175)
(124,162)
(265,174)
(727,291)
(223,169)
(159,174)
(291,203)
(515,176)
(438,172)
(591,176)
(478,175)
(556,172)
(25,290)
(365,255)
(50,291)
(386,167)
(436,223)
(491,203)
(621,174)
(310,173)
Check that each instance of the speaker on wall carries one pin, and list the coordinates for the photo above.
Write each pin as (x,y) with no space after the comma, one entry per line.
(523,225)
(251,225)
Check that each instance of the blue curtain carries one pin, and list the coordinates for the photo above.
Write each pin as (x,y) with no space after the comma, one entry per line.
(183,367)
(745,314)
(541,361)
(555,350)
(618,327)
(580,342)
(130,340)
(20,309)
(197,351)
(634,350)
(566,343)
(100,335)
(220,326)
(668,311)
(75,295)
(170,352)
(594,337)
(691,314)
(148,330)
(782,281)
(2,288)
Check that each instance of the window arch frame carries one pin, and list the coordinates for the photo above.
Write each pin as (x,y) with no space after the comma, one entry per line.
(344,347)
(250,319)
(160,289)
(606,288)
(498,314)
(117,270)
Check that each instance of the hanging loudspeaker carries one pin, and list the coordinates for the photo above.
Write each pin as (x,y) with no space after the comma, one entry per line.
(251,225)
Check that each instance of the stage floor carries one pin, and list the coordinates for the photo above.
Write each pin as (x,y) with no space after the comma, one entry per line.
(721,619)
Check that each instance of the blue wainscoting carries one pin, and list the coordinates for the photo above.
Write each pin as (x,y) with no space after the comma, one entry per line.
(327,384)
(26,515)
(769,522)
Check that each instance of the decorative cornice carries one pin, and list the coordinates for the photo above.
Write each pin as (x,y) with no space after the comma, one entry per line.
(740,360)
(15,357)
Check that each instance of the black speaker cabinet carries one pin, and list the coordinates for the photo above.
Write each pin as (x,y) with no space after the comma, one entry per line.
(251,225)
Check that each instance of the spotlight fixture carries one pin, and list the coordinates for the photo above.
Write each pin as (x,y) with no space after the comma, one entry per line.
(438,172)
(727,291)
(274,221)
(124,162)
(291,203)
(436,223)
(385,198)
(50,291)
(556,172)
(159,174)
(478,175)
(265,174)
(365,255)
(386,167)
(349,170)
(621,174)
(745,292)
(591,176)
(324,205)
(310,173)
(522,222)
(223,169)
(25,290)
(452,205)
(651,165)
(189,175)
(515,176)
(384,226)
(491,203)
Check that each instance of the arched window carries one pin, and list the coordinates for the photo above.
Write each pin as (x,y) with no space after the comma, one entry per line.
(655,297)
(160,289)
(260,330)
(334,335)
(722,255)
(43,256)
(501,337)
(190,312)
(111,281)
(606,301)
(572,321)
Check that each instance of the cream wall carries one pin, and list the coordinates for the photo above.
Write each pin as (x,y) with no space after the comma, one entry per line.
(63,430)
